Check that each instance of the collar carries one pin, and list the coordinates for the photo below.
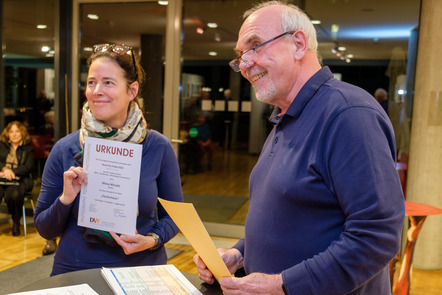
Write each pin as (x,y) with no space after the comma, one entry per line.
(305,95)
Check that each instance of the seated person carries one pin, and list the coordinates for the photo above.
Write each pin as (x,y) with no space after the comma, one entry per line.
(203,140)
(16,161)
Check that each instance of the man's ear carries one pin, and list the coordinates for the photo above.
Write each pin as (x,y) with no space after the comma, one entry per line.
(300,40)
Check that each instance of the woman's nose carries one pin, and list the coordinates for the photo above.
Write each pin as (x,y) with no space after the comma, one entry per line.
(97,89)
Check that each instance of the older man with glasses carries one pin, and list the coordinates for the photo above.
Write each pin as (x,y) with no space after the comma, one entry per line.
(326,205)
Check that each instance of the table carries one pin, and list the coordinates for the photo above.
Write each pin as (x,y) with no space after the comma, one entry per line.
(417,213)
(93,278)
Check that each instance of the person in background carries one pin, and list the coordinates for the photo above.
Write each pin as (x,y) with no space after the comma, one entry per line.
(111,112)
(227,121)
(16,162)
(203,139)
(326,207)
(381,96)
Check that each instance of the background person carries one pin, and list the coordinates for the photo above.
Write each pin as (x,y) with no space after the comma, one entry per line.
(16,162)
(326,206)
(111,112)
(381,96)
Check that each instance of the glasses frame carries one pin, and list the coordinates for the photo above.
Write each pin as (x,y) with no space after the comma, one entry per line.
(120,49)
(234,63)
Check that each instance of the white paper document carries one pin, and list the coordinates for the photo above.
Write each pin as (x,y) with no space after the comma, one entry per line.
(68,290)
(154,280)
(109,200)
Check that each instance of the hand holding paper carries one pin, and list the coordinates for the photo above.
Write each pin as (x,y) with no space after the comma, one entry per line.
(186,218)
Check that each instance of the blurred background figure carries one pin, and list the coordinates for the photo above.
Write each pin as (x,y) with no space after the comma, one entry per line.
(16,162)
(381,96)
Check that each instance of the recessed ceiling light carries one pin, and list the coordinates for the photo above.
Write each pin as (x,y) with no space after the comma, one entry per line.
(45,48)
(162,2)
(212,25)
(87,49)
(316,21)
(41,27)
(92,16)
(213,53)
(342,48)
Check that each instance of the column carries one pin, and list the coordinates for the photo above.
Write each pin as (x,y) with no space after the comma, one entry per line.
(152,92)
(425,162)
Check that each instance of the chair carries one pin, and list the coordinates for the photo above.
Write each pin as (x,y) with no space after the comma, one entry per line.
(28,197)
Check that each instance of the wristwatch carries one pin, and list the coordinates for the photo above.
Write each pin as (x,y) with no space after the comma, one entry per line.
(155,237)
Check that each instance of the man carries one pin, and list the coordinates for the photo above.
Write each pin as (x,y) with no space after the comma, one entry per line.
(381,96)
(326,206)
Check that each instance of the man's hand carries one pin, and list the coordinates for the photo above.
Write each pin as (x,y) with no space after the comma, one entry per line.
(255,283)
(231,257)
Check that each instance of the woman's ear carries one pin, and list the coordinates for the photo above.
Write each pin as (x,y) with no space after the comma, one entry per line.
(300,41)
(133,90)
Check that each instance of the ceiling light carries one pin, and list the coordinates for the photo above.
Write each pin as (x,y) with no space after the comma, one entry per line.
(89,49)
(342,48)
(350,55)
(92,16)
(335,28)
(200,30)
(217,36)
(41,27)
(163,2)
(316,21)
(212,25)
(45,48)
(213,53)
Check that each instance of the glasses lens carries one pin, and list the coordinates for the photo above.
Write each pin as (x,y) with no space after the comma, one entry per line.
(121,49)
(234,64)
(101,48)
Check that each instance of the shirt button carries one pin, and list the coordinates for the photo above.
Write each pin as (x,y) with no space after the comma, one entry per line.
(276,140)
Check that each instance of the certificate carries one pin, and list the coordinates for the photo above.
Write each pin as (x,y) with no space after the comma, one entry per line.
(109,200)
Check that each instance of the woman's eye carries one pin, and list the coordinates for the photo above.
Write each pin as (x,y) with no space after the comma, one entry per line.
(90,82)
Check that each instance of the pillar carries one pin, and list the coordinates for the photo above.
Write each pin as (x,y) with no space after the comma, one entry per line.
(425,163)
(152,92)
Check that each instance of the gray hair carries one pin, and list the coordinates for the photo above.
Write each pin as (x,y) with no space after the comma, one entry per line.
(292,19)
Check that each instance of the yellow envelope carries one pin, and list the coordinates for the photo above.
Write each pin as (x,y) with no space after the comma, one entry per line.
(188,221)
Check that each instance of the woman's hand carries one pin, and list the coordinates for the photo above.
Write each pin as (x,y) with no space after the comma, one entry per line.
(9,174)
(133,244)
(72,181)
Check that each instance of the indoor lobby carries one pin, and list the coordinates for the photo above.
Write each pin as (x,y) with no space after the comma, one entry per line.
(185,47)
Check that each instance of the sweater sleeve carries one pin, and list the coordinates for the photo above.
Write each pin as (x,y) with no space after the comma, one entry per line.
(357,162)
(169,188)
(50,215)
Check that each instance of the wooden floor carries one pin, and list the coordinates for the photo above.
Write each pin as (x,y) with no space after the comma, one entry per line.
(18,250)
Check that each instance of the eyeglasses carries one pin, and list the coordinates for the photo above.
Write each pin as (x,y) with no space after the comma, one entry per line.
(234,64)
(120,49)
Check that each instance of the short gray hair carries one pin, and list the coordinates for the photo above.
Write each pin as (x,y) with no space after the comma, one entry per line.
(292,19)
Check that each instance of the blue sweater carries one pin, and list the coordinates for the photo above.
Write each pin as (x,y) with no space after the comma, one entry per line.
(159,177)
(326,205)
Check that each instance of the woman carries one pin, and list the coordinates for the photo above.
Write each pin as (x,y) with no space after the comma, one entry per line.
(111,112)
(16,161)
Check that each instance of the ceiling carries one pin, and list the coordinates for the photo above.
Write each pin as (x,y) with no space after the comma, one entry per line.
(369,29)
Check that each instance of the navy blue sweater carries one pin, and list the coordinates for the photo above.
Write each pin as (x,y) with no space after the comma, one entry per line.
(326,205)
(159,177)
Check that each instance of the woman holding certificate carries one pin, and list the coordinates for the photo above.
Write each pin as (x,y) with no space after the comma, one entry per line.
(111,113)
